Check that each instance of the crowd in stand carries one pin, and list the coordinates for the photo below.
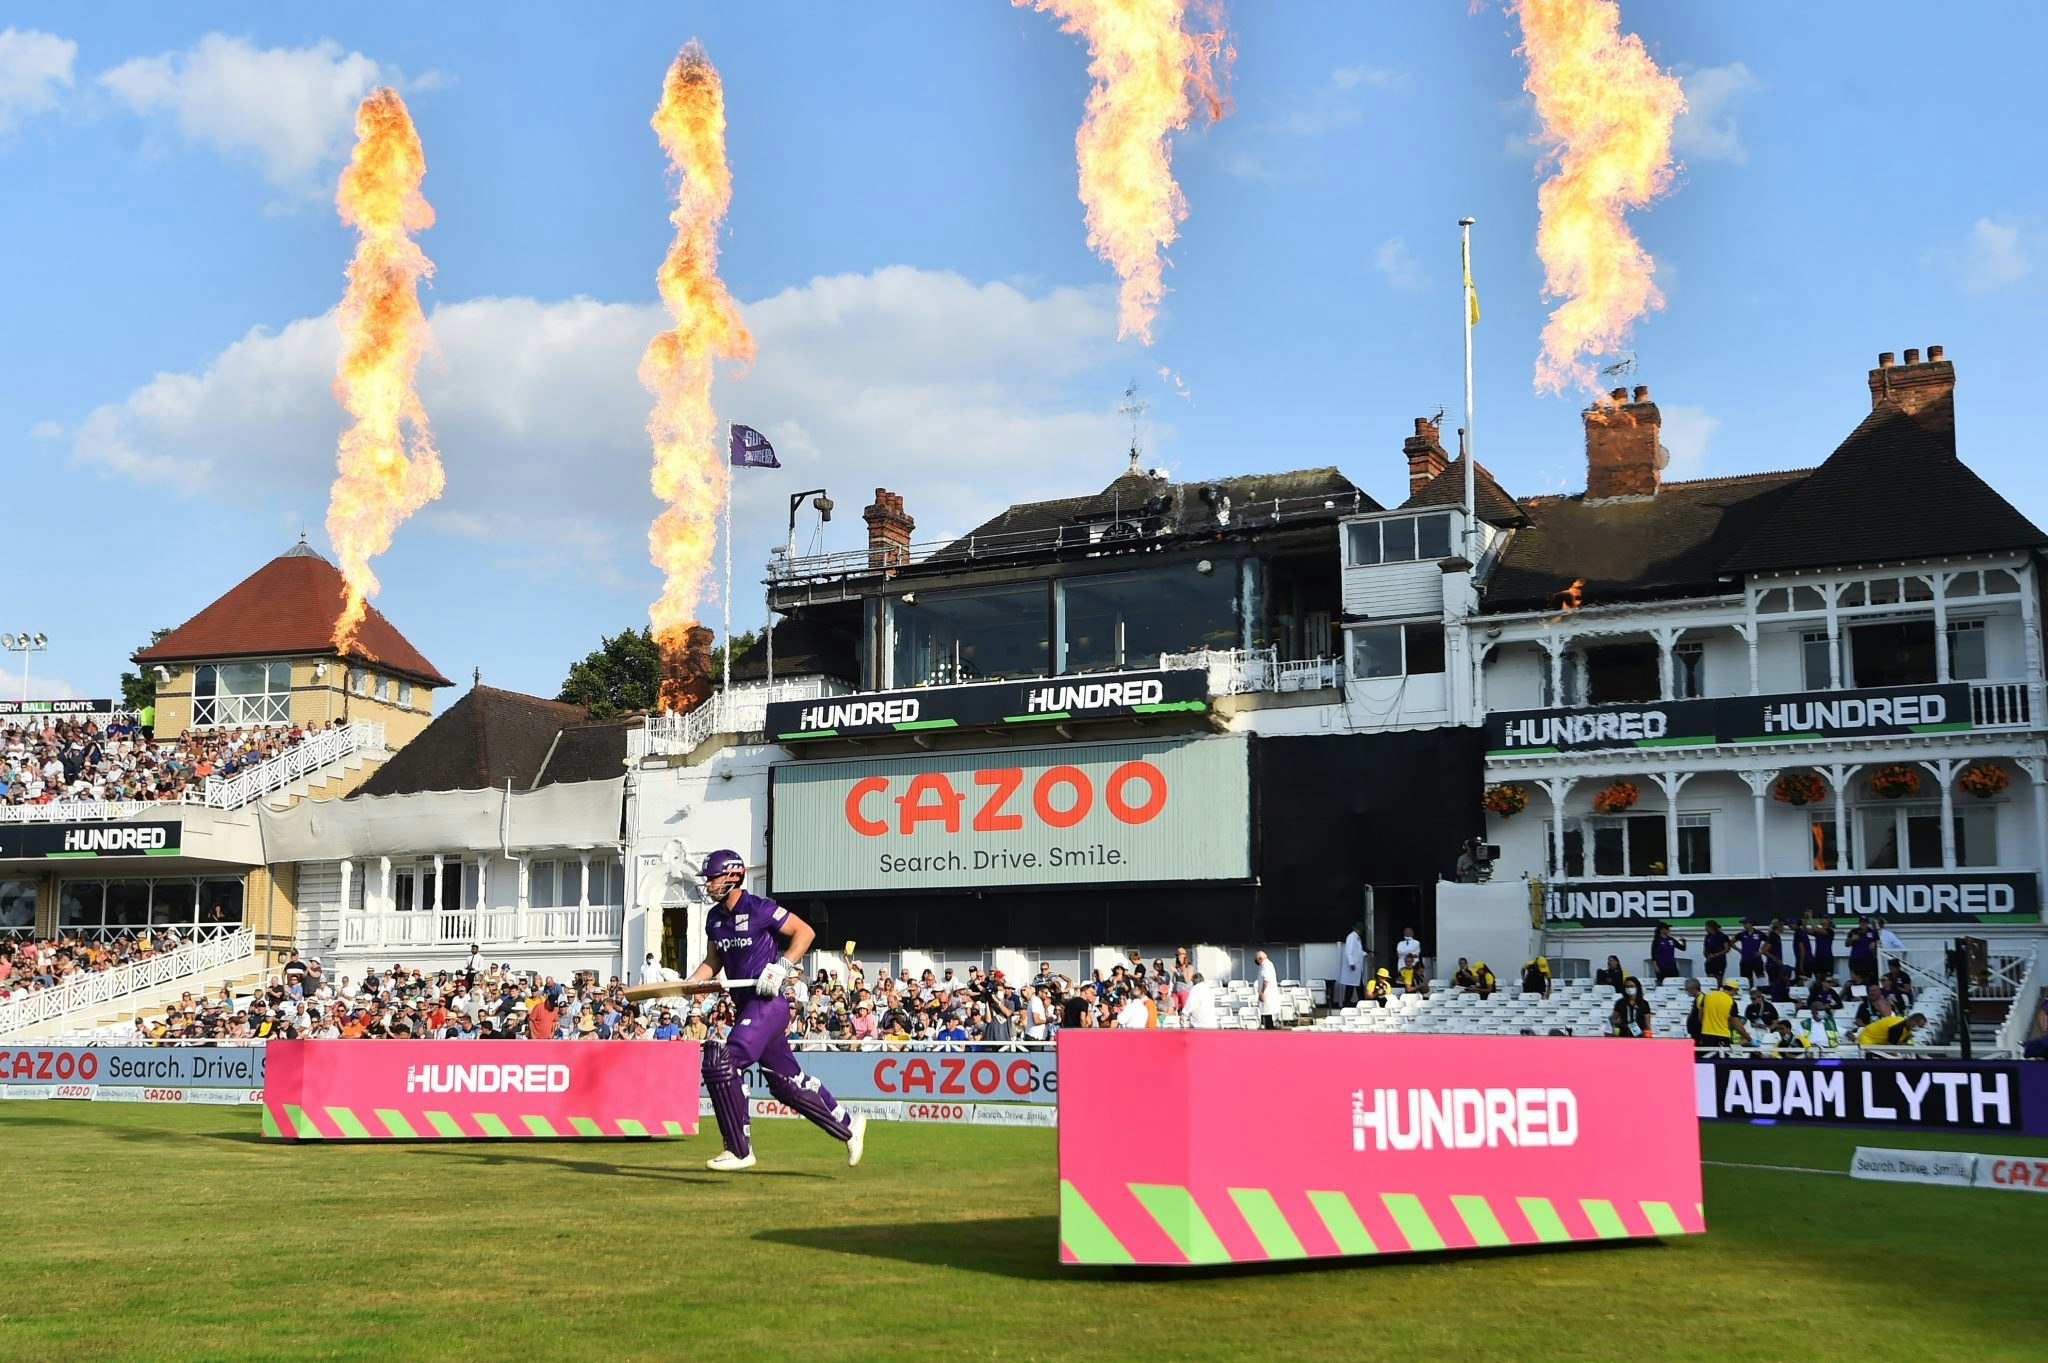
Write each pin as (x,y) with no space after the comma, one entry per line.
(67,760)
(46,963)
(485,1001)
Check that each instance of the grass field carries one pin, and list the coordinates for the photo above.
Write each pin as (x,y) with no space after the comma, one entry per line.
(163,1233)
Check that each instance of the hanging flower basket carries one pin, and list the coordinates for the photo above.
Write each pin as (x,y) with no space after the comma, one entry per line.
(1984,780)
(1895,781)
(1798,788)
(1615,798)
(1506,801)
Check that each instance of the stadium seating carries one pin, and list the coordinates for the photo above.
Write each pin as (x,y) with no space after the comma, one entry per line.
(80,761)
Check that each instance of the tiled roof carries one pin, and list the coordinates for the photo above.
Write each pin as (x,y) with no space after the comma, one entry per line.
(485,739)
(288,607)
(1677,543)
(1163,507)
(588,752)
(1893,490)
(1496,507)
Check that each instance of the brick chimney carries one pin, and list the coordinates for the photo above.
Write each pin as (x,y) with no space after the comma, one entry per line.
(888,530)
(1425,451)
(1913,385)
(1623,456)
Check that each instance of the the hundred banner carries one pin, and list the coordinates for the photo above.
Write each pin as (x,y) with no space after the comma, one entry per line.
(474,1090)
(1189,1147)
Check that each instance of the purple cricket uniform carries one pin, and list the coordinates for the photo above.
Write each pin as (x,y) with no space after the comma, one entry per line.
(747,944)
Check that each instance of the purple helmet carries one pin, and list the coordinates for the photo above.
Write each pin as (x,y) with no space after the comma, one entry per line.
(723,860)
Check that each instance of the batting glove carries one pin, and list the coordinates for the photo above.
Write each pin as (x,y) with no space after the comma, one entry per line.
(771,980)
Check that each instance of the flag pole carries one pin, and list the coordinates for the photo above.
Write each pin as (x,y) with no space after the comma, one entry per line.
(726,688)
(1471,458)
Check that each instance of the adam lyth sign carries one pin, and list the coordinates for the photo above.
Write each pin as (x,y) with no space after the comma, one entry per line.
(988,705)
(1151,811)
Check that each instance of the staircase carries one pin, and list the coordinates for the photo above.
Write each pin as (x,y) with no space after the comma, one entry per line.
(115,1020)
(325,766)
(108,998)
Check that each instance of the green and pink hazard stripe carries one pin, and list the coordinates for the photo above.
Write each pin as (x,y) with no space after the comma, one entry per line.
(1227,1147)
(479,1090)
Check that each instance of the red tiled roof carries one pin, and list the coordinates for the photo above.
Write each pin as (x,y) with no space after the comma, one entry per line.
(288,607)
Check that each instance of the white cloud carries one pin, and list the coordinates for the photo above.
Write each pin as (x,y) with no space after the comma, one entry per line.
(45,430)
(1686,434)
(291,109)
(34,66)
(1706,131)
(955,394)
(1403,271)
(1996,255)
(39,686)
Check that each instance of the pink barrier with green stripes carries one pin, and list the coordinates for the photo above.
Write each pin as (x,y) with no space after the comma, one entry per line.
(1189,1147)
(479,1090)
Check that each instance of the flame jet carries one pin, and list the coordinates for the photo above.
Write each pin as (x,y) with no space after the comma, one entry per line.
(1144,65)
(689,472)
(1607,113)
(389,466)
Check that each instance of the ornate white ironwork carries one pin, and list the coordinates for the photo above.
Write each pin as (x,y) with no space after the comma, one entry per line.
(743,710)
(594,924)
(107,986)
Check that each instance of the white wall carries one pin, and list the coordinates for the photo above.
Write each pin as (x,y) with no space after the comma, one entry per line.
(1487,923)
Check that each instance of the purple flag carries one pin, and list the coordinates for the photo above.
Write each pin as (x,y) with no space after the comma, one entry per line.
(750,449)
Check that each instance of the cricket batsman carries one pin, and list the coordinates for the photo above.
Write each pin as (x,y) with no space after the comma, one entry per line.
(752,937)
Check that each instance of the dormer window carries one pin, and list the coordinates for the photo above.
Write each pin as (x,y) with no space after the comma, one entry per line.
(1399,539)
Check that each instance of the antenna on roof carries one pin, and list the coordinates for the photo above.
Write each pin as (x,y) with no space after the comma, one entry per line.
(1134,407)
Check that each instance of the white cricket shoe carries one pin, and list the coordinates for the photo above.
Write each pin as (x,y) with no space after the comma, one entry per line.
(726,1162)
(857,1142)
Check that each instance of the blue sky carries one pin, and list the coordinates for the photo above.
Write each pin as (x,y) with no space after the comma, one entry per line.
(907,246)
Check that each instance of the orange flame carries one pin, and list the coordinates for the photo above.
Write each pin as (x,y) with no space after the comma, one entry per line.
(689,471)
(685,670)
(1143,64)
(1607,113)
(1570,597)
(389,467)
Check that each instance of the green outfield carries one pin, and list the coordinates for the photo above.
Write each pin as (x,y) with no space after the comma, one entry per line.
(156,1233)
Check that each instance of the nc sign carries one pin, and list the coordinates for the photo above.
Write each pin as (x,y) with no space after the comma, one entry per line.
(1158,810)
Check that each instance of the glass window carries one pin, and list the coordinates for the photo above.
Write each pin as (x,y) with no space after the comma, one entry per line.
(220,903)
(280,677)
(1397,538)
(1916,589)
(540,888)
(405,694)
(127,903)
(1119,620)
(403,889)
(1808,599)
(1376,652)
(174,902)
(1999,582)
(18,904)
(1425,645)
(1883,591)
(1813,657)
(1628,845)
(1976,835)
(80,903)
(1772,602)
(1853,594)
(1892,653)
(1433,537)
(1574,849)
(1695,844)
(1688,671)
(237,694)
(1821,834)
(1610,848)
(1966,660)
(1966,584)
(1363,543)
(980,634)
(1621,672)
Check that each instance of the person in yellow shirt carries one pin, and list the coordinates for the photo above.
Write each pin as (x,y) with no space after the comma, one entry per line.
(1892,1031)
(1720,1024)
(1787,1044)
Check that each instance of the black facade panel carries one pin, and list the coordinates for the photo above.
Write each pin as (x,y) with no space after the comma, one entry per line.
(1335,813)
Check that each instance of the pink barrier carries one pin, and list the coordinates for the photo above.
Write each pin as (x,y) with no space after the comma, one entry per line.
(1215,1147)
(473,1090)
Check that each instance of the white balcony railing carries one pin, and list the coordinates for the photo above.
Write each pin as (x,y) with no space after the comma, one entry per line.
(108,986)
(598,925)
(82,811)
(301,759)
(1238,671)
(2003,705)
(743,710)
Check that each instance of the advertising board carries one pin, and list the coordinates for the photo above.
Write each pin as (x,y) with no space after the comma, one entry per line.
(468,1090)
(1208,1147)
(1146,811)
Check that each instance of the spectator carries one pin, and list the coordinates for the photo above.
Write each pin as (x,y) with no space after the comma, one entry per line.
(1483,982)
(1891,1031)
(1692,1009)
(1351,968)
(2036,1045)
(1749,943)
(1536,976)
(1664,949)
(1407,951)
(1613,975)
(1462,977)
(67,761)
(1720,1021)
(1269,992)
(1824,947)
(1201,1009)
(1380,987)
(1788,1044)
(1862,954)
(1714,950)
(1631,1014)
(1760,1012)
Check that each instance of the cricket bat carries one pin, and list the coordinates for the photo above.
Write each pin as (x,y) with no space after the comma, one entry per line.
(665,988)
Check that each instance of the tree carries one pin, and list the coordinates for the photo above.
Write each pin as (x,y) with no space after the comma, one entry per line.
(138,688)
(622,674)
